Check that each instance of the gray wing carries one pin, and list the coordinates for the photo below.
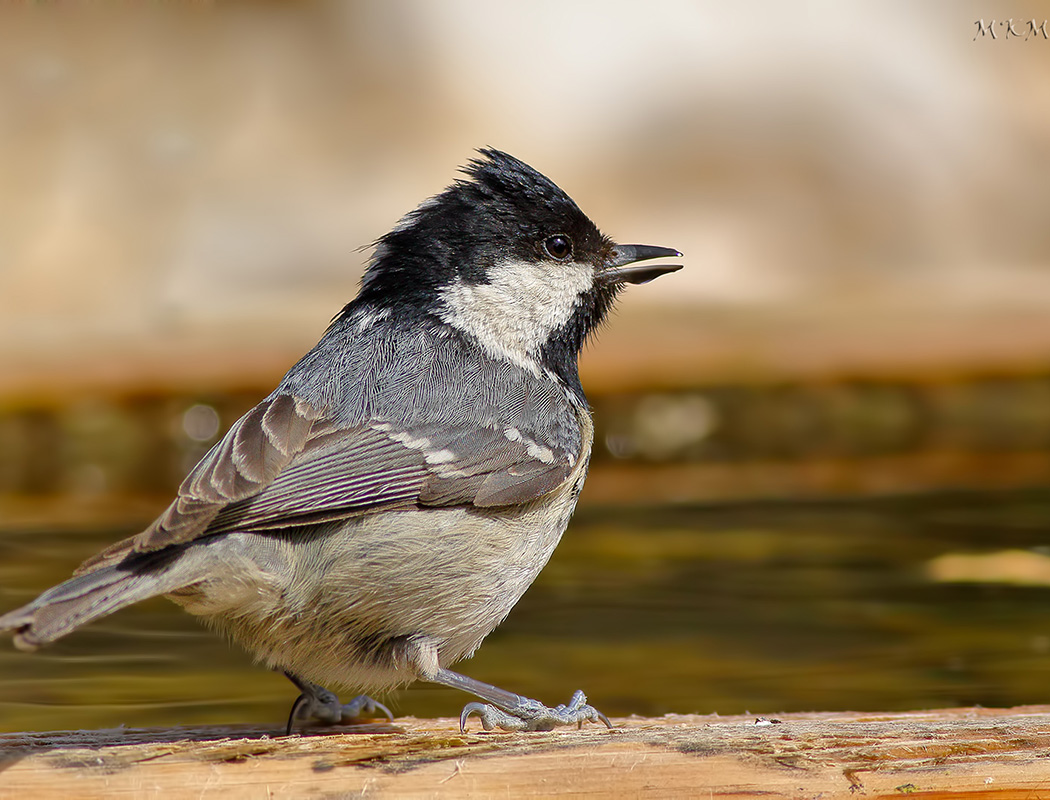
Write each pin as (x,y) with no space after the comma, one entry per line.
(285,464)
(342,472)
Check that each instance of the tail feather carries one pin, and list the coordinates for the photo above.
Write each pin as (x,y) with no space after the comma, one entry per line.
(90,595)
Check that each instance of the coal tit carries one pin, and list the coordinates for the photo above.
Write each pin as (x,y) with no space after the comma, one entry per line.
(381,512)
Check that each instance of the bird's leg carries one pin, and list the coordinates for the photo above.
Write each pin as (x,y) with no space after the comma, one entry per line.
(318,706)
(512,712)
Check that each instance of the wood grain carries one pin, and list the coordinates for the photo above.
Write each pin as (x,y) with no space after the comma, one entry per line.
(954,753)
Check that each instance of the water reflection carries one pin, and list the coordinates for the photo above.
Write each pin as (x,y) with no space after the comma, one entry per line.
(764,609)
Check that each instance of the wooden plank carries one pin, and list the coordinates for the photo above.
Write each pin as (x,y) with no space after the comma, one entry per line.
(945,754)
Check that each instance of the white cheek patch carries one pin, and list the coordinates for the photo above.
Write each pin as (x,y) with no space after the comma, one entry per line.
(513,315)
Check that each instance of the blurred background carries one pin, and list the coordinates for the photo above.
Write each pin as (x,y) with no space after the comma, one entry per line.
(823,458)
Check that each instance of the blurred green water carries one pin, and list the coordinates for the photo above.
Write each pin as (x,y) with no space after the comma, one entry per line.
(757,608)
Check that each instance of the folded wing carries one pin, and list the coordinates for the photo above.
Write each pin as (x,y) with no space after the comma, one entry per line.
(286,464)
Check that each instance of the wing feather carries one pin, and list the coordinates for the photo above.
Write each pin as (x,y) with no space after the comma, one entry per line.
(285,464)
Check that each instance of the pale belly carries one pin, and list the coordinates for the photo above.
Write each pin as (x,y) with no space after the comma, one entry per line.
(381,600)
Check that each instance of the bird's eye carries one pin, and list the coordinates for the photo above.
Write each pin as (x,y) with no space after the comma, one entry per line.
(558,247)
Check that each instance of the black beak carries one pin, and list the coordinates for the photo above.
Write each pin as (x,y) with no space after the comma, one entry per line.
(623,267)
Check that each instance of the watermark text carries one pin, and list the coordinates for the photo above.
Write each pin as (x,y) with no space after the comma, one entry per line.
(1010,28)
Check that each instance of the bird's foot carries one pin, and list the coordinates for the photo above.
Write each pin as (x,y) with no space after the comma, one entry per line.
(317,706)
(532,715)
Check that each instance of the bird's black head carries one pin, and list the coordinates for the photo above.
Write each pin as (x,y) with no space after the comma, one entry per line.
(508,258)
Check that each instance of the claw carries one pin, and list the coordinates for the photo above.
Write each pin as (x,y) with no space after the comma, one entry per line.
(299,701)
(475,708)
(531,715)
(324,708)
(364,707)
(318,706)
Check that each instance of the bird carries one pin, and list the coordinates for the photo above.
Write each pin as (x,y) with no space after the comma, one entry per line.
(375,517)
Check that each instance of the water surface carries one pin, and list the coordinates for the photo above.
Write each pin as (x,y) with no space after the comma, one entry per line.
(750,608)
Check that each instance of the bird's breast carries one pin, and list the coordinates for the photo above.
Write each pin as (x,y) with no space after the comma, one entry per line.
(330,602)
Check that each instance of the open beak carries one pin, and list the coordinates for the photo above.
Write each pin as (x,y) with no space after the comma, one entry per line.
(623,267)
